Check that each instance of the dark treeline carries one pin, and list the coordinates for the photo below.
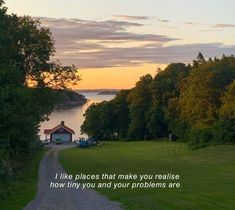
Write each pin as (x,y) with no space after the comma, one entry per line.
(27,82)
(193,103)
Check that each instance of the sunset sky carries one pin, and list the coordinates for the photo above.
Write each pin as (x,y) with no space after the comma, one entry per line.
(113,43)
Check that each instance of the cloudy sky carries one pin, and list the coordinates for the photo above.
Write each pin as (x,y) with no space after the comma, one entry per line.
(113,43)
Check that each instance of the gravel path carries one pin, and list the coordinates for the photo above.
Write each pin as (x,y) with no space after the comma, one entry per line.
(64,198)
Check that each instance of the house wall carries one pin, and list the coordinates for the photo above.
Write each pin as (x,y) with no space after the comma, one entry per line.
(65,137)
(62,134)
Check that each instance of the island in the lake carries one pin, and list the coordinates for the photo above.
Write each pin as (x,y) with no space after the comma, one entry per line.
(101,91)
(108,92)
(70,99)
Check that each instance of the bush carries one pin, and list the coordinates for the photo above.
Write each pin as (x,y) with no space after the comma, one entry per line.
(224,131)
(200,137)
(6,172)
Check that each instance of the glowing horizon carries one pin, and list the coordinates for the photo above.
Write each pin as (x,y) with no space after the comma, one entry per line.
(116,42)
(118,77)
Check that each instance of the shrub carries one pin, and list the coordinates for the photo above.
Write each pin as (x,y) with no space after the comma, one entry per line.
(200,137)
(224,131)
(6,172)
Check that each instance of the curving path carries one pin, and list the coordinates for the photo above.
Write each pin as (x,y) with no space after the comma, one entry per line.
(64,199)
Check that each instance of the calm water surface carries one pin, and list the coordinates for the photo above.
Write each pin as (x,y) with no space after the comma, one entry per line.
(73,118)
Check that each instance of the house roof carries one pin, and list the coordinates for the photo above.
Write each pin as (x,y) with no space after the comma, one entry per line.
(61,125)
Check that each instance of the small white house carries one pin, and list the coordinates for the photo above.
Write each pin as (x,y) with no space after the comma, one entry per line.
(62,132)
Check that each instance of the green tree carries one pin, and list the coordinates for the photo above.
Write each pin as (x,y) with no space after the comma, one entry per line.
(91,125)
(204,103)
(227,109)
(100,121)
(27,81)
(108,120)
(200,60)
(224,128)
(201,98)
(121,114)
(165,89)
(139,100)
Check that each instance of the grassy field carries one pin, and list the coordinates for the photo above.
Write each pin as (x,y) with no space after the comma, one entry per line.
(22,189)
(207,175)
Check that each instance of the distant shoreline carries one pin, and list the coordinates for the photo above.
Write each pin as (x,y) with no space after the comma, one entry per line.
(108,92)
(98,90)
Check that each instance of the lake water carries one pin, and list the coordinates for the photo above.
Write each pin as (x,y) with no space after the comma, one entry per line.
(73,117)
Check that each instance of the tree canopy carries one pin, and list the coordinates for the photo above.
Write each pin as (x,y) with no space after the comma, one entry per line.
(194,103)
(28,77)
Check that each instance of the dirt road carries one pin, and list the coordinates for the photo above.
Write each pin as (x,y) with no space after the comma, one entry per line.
(64,198)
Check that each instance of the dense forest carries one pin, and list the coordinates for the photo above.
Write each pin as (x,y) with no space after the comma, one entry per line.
(28,79)
(194,103)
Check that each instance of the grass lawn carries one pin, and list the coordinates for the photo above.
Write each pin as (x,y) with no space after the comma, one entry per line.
(207,175)
(22,189)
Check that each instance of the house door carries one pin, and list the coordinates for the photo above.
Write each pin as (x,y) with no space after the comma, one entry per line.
(65,137)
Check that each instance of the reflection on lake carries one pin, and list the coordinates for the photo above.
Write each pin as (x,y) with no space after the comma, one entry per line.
(73,117)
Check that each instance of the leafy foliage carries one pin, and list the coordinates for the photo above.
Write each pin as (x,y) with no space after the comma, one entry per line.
(139,101)
(28,78)
(194,103)
(108,120)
